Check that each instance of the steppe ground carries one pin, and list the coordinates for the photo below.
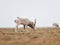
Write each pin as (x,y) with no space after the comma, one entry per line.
(40,36)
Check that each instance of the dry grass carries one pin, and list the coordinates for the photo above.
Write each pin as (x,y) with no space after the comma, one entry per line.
(40,36)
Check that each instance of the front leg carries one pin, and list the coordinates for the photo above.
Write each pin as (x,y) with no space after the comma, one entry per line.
(16,28)
(24,27)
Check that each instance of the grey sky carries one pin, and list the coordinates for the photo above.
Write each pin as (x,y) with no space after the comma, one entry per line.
(45,11)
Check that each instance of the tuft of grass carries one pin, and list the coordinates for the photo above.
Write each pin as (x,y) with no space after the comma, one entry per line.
(7,38)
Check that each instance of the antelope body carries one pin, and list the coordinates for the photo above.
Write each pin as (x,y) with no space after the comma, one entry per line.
(24,22)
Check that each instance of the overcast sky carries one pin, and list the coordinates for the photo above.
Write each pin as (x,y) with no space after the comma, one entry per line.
(45,11)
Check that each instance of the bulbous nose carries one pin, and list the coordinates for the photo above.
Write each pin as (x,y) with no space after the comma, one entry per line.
(14,20)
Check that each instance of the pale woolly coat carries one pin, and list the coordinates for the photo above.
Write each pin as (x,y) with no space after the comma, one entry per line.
(24,22)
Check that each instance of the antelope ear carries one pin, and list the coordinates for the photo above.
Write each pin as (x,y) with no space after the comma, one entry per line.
(18,18)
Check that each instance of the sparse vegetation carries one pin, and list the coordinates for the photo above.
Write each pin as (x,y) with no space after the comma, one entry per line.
(6,38)
(40,36)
